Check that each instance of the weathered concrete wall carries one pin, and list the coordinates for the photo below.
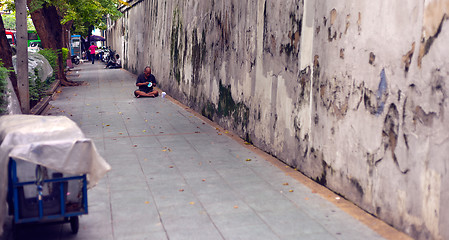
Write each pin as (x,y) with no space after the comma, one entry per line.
(351,93)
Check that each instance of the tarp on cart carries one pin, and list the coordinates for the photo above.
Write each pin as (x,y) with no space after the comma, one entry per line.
(55,142)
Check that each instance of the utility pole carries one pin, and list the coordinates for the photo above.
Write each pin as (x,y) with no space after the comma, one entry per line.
(22,55)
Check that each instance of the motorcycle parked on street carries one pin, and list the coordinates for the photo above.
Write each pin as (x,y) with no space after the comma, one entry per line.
(75,59)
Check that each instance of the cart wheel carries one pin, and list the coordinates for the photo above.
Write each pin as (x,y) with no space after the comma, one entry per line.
(74,224)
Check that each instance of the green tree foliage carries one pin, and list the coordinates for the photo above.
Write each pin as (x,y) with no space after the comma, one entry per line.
(84,14)
(9,20)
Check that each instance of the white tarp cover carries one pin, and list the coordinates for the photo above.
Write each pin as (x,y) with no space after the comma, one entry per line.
(55,142)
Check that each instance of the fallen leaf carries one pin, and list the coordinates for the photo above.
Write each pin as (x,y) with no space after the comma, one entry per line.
(120,133)
(147,202)
(146,120)
(306,198)
(247,143)
(171,166)
(145,159)
(164,150)
(144,131)
(135,146)
(87,104)
(191,203)
(108,125)
(248,159)
(226,132)
(119,112)
(181,190)
(236,206)
(58,91)
(203,180)
(291,190)
(219,134)
(285,184)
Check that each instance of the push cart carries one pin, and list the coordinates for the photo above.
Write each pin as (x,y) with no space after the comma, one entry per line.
(43,197)
(46,167)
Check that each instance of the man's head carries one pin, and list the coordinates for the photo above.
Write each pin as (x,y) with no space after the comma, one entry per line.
(147,71)
(117,56)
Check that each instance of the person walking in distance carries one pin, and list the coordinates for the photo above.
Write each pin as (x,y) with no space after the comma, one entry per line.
(92,51)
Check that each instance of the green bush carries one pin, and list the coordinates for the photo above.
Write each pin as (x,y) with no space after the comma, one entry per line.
(52,58)
(38,87)
(65,52)
(3,89)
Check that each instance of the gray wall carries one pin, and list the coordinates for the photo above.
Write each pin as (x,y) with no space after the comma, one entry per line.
(351,93)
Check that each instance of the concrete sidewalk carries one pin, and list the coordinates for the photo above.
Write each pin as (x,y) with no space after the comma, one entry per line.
(177,176)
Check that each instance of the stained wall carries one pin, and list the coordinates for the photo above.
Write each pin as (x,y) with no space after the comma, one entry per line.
(351,93)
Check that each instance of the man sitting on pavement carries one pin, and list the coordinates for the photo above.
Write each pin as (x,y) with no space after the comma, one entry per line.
(146,81)
(114,64)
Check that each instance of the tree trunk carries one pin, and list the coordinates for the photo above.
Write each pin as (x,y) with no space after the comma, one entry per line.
(48,26)
(66,39)
(6,57)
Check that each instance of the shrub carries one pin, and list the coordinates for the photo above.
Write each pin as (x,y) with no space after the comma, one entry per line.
(65,52)
(51,57)
(3,89)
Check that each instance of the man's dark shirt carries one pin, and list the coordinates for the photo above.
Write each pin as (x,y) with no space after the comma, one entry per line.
(141,79)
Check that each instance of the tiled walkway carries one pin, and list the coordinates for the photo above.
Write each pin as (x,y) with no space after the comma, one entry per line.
(175,176)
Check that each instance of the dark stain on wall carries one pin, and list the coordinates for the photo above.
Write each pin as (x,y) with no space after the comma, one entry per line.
(291,49)
(356,184)
(331,30)
(348,23)
(227,107)
(382,94)
(407,59)
(331,35)
(359,23)
(208,111)
(316,67)
(175,62)
(198,56)
(317,157)
(375,103)
(426,44)
(390,134)
(372,58)
(420,116)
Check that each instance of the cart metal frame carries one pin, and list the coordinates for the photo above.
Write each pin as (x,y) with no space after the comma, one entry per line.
(71,217)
